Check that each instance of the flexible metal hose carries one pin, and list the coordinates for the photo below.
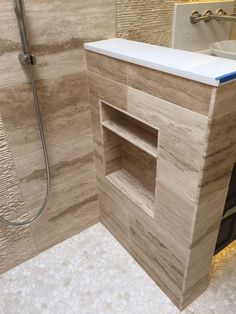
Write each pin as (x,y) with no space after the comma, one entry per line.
(19,14)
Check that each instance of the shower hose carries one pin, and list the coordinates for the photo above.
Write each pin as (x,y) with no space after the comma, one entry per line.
(29,62)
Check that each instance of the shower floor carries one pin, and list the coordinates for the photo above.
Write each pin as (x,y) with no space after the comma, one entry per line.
(92,273)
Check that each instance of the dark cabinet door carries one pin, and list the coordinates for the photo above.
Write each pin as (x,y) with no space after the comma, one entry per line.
(227,232)
(231,197)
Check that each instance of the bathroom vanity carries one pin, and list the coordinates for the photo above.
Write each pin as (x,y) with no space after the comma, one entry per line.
(164,126)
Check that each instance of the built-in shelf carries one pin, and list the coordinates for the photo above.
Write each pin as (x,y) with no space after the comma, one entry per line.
(130,156)
(132,130)
(133,134)
(133,189)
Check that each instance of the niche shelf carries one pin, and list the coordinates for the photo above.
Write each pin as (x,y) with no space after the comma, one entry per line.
(130,156)
(132,133)
(133,189)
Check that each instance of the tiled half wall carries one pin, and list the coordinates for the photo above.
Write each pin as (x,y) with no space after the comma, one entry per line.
(162,189)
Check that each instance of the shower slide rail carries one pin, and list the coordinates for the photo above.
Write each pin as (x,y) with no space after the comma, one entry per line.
(28,60)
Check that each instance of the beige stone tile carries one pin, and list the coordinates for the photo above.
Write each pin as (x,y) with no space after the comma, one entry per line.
(133,190)
(64,106)
(138,163)
(144,21)
(16,244)
(177,176)
(10,42)
(112,152)
(174,218)
(108,90)
(68,161)
(114,213)
(96,123)
(181,141)
(222,131)
(224,99)
(82,21)
(233,32)
(219,158)
(60,63)
(111,68)
(58,45)
(16,106)
(197,270)
(219,154)
(155,257)
(208,215)
(97,137)
(180,91)
(58,94)
(73,207)
(10,69)
(12,72)
(64,129)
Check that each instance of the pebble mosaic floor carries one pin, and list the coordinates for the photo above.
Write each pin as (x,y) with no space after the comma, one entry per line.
(91,273)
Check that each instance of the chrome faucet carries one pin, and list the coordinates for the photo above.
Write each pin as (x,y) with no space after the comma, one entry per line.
(220,15)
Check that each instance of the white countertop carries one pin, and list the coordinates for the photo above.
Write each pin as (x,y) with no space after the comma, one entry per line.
(194,66)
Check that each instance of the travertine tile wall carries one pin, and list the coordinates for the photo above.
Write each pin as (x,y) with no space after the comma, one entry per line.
(58,30)
(148,21)
(233,33)
(196,154)
(11,196)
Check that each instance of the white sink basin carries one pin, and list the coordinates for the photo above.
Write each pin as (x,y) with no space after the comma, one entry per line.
(224,49)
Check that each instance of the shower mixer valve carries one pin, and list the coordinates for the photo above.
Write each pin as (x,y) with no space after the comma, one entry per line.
(27,59)
(220,15)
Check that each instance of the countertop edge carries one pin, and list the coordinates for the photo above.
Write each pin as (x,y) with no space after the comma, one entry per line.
(191,75)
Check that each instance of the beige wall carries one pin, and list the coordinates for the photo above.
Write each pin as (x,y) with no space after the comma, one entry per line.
(233,33)
(58,31)
(148,21)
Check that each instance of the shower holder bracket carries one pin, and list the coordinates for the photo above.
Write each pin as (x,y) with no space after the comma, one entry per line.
(27,59)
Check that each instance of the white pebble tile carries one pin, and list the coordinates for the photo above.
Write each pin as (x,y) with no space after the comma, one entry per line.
(92,274)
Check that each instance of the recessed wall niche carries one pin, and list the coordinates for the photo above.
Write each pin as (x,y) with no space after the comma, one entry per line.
(130,156)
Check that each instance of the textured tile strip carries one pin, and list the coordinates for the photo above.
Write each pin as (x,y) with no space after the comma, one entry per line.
(16,245)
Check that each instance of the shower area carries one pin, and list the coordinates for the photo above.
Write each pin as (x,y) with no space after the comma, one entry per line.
(26,58)
(55,82)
